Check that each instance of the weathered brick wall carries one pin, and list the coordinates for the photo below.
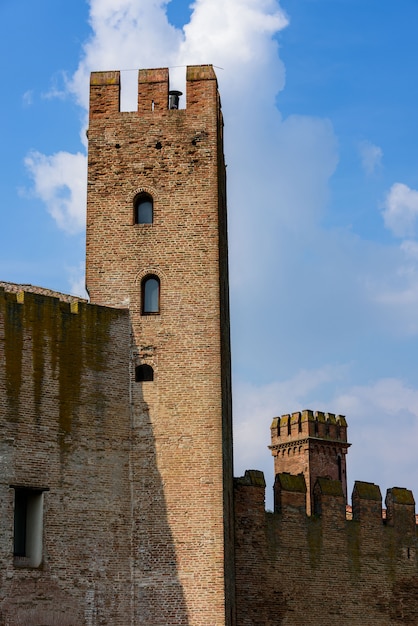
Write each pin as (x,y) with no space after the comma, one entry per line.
(182,452)
(65,422)
(300,570)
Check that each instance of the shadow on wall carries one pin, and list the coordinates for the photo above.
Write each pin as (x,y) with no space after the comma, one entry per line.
(158,593)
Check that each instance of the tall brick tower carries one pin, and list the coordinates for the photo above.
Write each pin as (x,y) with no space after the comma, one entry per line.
(157,244)
(312,444)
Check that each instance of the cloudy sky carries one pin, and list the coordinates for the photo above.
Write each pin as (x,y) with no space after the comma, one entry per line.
(319,99)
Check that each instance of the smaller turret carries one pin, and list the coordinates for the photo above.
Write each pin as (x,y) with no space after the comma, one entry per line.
(312,444)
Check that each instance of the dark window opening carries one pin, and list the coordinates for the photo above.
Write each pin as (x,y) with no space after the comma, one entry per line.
(289,426)
(28,527)
(299,423)
(143,206)
(340,473)
(21,507)
(144,373)
(150,294)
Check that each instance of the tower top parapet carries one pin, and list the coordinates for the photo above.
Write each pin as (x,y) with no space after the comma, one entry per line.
(308,423)
(153,91)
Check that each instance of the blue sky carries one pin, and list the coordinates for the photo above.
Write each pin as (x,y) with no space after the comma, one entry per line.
(321,136)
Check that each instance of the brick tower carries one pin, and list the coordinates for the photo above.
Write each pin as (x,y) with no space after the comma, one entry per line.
(157,245)
(312,444)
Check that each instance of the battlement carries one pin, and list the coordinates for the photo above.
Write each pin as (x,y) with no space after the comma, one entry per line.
(291,490)
(323,567)
(308,423)
(153,91)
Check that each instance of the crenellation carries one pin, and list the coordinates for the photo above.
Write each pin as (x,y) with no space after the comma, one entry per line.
(289,491)
(313,424)
(104,94)
(400,510)
(367,503)
(329,500)
(153,88)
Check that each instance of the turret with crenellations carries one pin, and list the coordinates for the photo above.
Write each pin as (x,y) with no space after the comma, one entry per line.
(314,444)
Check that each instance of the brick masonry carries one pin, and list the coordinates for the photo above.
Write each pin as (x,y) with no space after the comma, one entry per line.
(142,520)
(64,380)
(181,438)
(296,569)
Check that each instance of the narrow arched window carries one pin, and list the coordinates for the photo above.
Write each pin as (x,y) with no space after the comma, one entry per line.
(143,209)
(144,373)
(150,295)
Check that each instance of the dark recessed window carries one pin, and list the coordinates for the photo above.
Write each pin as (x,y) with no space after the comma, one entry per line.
(150,294)
(28,525)
(143,208)
(144,373)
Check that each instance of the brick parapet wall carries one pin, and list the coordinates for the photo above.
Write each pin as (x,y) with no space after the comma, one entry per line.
(64,381)
(307,423)
(325,569)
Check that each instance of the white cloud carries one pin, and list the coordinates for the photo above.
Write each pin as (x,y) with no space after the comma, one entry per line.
(241,38)
(401,210)
(27,98)
(383,427)
(126,35)
(371,156)
(410,248)
(77,279)
(60,182)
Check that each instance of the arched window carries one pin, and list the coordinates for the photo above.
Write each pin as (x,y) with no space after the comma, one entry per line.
(144,373)
(143,209)
(150,295)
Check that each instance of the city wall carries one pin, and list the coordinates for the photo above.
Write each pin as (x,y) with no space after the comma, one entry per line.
(325,569)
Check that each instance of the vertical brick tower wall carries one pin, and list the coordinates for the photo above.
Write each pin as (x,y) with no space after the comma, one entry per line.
(314,444)
(182,444)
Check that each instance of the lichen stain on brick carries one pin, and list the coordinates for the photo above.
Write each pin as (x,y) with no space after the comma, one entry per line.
(39,313)
(13,350)
(71,363)
(353,547)
(314,541)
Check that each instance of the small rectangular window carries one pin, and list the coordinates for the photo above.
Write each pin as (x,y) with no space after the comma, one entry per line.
(28,527)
